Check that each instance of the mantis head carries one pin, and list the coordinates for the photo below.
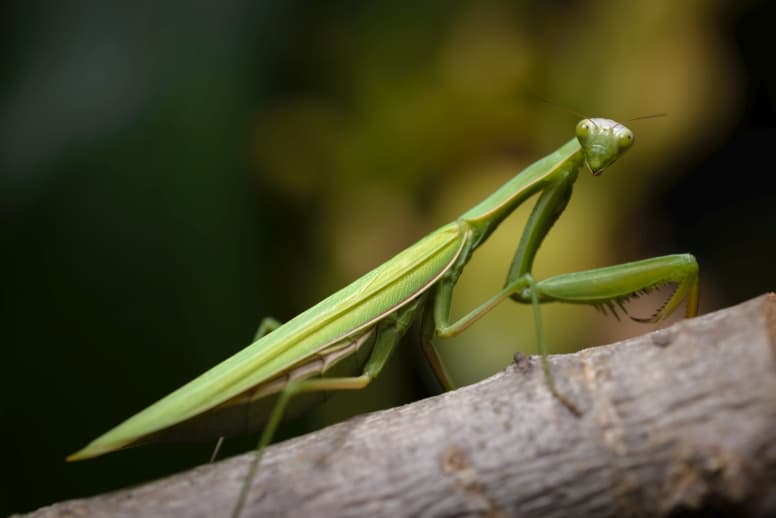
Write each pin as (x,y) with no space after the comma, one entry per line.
(602,141)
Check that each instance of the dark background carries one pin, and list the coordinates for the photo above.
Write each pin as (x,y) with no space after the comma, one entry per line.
(171,173)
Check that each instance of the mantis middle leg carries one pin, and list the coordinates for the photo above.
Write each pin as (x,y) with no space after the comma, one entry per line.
(600,287)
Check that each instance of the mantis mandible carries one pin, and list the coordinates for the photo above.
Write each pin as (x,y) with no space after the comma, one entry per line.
(343,342)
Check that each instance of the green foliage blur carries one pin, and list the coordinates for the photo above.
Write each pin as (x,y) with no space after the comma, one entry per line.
(172,172)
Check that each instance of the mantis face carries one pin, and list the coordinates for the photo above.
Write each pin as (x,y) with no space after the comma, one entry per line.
(602,141)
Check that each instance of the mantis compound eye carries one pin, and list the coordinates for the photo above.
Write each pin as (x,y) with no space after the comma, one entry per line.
(624,138)
(583,128)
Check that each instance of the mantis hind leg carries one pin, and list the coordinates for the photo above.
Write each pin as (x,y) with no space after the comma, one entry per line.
(267,325)
(389,332)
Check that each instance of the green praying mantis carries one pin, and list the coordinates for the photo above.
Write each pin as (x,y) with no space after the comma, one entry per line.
(343,342)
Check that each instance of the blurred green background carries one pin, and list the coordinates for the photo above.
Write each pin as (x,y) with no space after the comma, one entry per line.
(173,172)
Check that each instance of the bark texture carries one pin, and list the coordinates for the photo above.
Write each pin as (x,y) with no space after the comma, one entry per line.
(677,421)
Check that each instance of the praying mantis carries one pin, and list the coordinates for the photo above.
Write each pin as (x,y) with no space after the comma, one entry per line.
(343,342)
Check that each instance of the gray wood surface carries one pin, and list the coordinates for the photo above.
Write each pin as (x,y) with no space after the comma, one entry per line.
(681,419)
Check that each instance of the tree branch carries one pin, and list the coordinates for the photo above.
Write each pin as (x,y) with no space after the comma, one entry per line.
(681,419)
